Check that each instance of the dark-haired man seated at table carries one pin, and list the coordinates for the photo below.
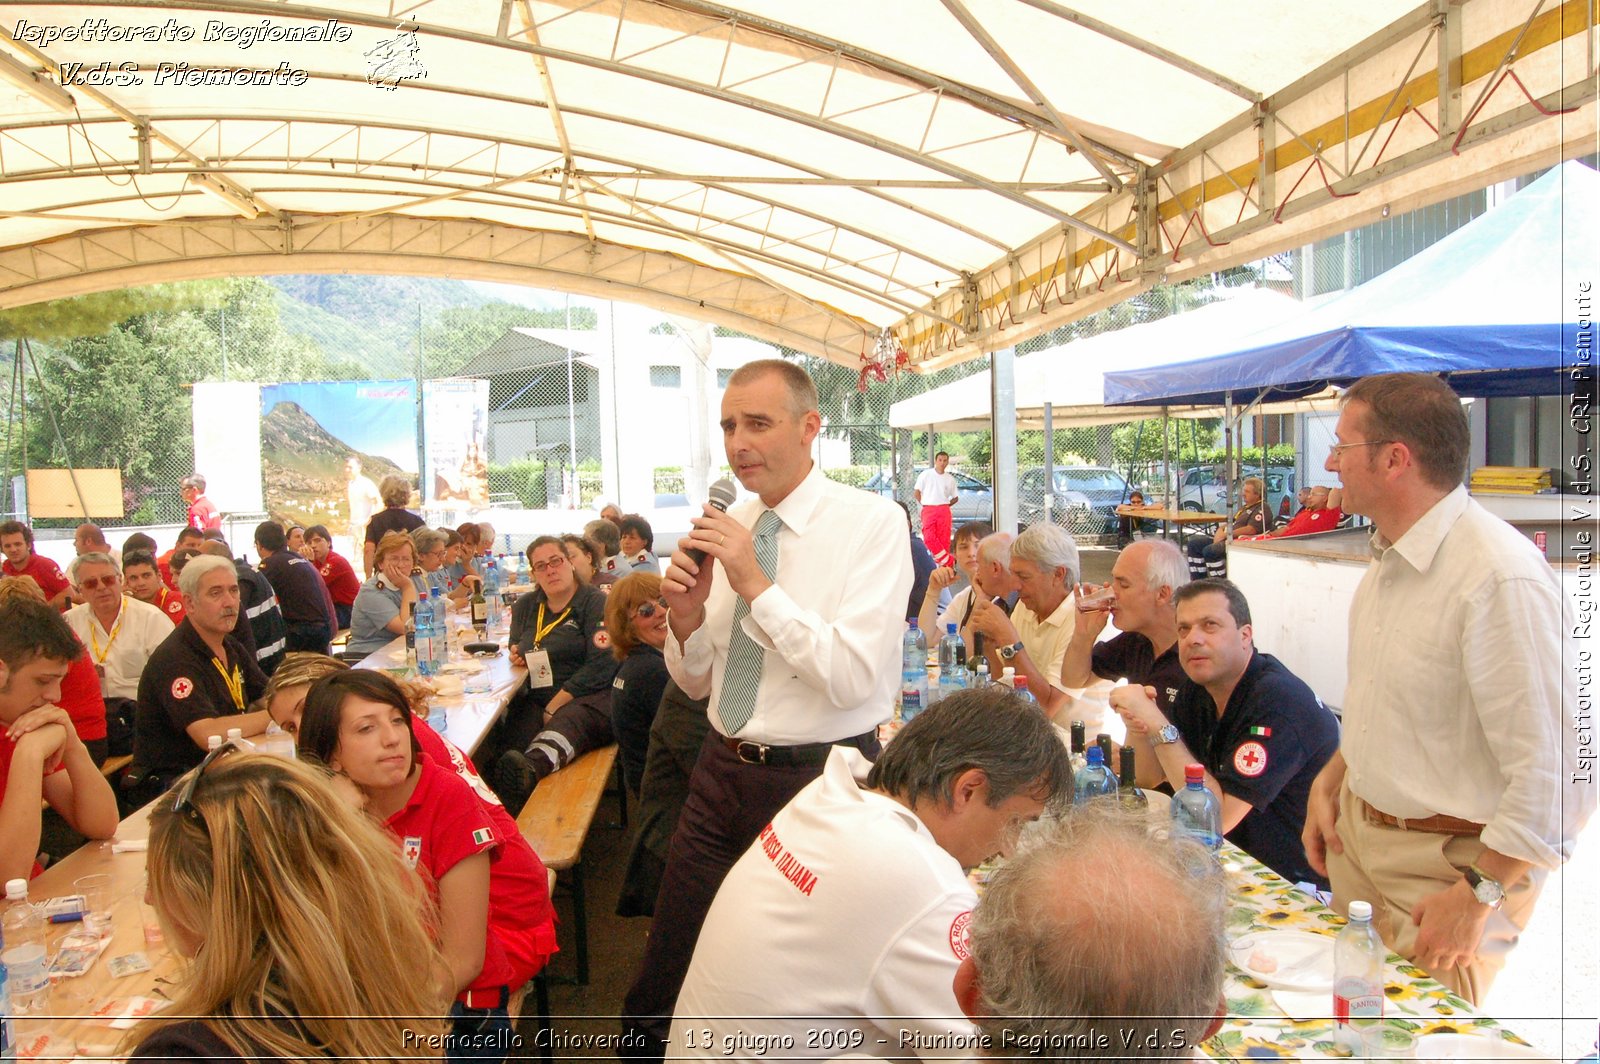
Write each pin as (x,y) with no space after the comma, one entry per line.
(1260,732)
(41,756)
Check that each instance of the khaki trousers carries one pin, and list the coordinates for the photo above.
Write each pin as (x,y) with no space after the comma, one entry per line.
(1394,868)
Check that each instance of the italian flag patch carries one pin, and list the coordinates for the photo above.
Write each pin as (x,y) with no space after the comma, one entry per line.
(1265,733)
(482,837)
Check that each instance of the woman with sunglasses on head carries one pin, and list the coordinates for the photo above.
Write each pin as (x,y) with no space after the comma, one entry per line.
(496,926)
(299,923)
(636,617)
(559,633)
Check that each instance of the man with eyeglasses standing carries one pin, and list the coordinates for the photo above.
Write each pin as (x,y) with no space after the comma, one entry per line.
(120,632)
(1458,783)
(199,682)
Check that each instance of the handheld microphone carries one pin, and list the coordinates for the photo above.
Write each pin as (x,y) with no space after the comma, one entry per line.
(722,494)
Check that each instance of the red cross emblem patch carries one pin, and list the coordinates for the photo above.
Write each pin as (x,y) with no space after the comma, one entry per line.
(959,935)
(182,688)
(174,606)
(1250,759)
(602,639)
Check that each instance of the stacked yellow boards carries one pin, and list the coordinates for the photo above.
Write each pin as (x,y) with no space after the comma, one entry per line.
(1511,480)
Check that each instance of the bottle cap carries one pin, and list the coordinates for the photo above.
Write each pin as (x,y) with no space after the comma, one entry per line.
(235,733)
(16,889)
(1361,910)
(1194,773)
(1020,681)
(950,627)
(213,741)
(1094,757)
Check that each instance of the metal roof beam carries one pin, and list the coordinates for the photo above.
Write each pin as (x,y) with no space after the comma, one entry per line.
(1014,71)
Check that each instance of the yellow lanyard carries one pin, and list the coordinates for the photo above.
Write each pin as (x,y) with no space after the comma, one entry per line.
(235,683)
(540,629)
(94,640)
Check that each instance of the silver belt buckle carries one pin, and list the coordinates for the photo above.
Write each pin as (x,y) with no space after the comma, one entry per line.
(752,753)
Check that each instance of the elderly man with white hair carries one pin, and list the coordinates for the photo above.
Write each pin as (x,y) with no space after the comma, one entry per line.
(199,682)
(120,632)
(1033,639)
(1143,581)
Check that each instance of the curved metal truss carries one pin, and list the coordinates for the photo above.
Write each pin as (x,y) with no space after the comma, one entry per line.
(965,173)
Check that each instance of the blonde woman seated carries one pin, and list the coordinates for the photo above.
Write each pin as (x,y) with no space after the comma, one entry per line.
(304,934)
(386,599)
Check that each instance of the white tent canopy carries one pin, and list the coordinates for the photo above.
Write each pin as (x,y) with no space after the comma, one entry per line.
(1071,377)
(965,173)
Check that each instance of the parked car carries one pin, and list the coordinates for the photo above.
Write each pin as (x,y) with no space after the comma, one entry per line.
(974,502)
(1201,488)
(1084,499)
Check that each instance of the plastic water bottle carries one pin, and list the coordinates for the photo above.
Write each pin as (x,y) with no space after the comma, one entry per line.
(1020,685)
(438,634)
(980,676)
(913,672)
(27,956)
(1195,810)
(522,568)
(1358,983)
(491,593)
(1094,779)
(1008,676)
(952,663)
(422,622)
(8,1046)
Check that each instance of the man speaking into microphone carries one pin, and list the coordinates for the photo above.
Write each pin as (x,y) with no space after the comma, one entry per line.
(791,625)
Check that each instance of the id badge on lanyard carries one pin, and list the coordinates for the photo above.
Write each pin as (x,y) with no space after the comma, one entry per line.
(539,672)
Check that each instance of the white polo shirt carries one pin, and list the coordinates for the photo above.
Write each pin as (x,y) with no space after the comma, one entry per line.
(845,908)
(120,654)
(936,488)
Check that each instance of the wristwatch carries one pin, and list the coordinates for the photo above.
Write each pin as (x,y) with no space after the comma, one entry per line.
(1485,887)
(1168,734)
(1008,652)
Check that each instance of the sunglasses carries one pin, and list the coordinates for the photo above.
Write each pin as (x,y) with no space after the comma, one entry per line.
(184,806)
(648,609)
(93,582)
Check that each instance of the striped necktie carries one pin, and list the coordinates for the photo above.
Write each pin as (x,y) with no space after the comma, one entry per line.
(742,678)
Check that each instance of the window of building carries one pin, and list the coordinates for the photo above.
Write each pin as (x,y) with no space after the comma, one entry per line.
(666,376)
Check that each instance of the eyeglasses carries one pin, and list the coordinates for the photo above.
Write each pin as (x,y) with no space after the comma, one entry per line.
(93,582)
(648,609)
(1338,449)
(184,806)
(549,566)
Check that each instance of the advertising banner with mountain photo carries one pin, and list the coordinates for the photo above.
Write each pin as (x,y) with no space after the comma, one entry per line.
(310,431)
(455,425)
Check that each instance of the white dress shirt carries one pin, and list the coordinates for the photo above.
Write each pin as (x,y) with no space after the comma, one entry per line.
(830,624)
(936,488)
(119,655)
(1463,680)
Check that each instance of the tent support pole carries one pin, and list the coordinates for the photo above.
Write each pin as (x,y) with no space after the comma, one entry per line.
(1049,462)
(1228,429)
(1003,434)
(1167,482)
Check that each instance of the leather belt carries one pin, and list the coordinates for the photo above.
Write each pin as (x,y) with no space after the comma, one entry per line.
(809,755)
(1437,824)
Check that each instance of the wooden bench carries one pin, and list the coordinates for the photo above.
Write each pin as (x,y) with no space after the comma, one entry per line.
(556,821)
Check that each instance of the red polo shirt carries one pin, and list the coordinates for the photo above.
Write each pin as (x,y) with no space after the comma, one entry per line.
(46,573)
(170,603)
(442,825)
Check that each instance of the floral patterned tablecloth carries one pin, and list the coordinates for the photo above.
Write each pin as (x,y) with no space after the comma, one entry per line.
(1258,1029)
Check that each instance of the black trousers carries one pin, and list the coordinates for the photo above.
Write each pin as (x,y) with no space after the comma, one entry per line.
(729,803)
(676,736)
